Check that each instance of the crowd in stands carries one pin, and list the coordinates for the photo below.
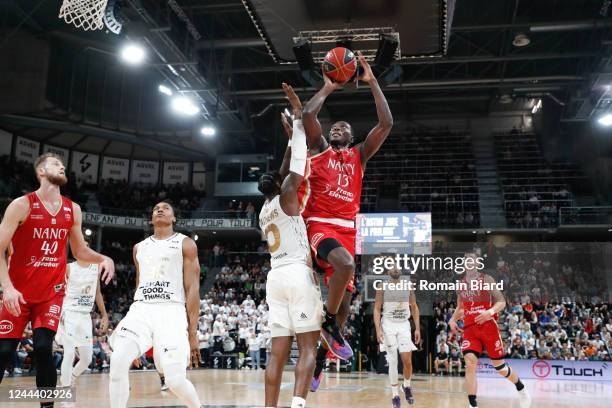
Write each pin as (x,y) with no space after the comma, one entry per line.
(545,331)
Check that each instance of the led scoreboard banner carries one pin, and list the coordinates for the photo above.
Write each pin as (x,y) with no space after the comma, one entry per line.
(400,233)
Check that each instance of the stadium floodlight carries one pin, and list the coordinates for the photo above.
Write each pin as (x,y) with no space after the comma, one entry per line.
(88,232)
(133,54)
(605,120)
(184,106)
(165,90)
(208,131)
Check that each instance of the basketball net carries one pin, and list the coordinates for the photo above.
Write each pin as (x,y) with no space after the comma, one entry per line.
(84,14)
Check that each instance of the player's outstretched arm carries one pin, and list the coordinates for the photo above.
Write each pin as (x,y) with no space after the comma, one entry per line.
(312,126)
(416,316)
(379,133)
(16,212)
(297,167)
(296,106)
(81,251)
(378,304)
(499,303)
(191,283)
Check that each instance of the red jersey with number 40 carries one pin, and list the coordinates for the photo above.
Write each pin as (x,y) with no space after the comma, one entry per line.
(332,184)
(37,265)
(475,301)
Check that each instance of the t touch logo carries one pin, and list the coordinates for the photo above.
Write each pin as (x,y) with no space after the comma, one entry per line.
(541,369)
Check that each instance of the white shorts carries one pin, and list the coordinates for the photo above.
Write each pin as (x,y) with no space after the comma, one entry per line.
(294,298)
(75,329)
(162,326)
(398,335)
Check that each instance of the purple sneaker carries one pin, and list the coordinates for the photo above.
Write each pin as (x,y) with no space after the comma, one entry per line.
(336,343)
(316,382)
(396,402)
(408,395)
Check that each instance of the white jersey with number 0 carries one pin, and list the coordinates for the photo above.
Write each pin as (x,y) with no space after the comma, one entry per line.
(286,235)
(81,288)
(160,270)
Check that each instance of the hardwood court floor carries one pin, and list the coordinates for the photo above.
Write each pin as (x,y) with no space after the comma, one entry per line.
(232,388)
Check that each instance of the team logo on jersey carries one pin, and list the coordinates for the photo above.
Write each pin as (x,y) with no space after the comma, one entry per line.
(35,205)
(316,238)
(67,216)
(6,326)
(466,344)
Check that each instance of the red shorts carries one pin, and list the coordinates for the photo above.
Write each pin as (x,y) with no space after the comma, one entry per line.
(320,231)
(44,314)
(486,335)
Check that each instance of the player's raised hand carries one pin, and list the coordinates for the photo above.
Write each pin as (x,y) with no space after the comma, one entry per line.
(367,74)
(11,300)
(329,84)
(107,268)
(294,100)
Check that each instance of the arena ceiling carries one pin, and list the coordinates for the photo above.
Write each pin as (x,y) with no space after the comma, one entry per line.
(214,51)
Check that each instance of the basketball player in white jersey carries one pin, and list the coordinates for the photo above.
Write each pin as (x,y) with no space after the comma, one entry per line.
(167,280)
(393,330)
(292,290)
(75,329)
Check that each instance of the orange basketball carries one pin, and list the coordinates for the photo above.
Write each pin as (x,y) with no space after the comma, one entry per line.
(340,64)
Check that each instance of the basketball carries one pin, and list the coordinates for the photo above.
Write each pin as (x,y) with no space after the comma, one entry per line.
(340,64)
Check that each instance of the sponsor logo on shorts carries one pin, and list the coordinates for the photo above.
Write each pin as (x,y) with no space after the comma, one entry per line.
(303,316)
(59,287)
(51,322)
(6,326)
(316,238)
(498,345)
(55,309)
(466,344)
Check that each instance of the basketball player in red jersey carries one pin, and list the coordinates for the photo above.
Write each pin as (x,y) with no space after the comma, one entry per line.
(330,198)
(480,310)
(36,227)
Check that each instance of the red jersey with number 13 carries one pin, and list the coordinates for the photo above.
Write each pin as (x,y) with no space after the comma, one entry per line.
(37,265)
(332,184)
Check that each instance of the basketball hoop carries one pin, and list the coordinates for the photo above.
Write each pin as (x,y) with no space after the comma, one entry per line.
(84,14)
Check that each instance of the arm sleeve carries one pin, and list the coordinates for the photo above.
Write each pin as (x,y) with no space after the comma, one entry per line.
(298,149)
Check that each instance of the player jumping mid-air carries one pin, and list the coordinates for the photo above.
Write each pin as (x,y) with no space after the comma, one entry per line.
(392,310)
(35,231)
(480,310)
(292,290)
(165,311)
(329,201)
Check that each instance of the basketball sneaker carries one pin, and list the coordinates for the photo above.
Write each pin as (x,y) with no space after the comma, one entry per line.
(396,402)
(335,342)
(163,387)
(316,382)
(524,398)
(408,395)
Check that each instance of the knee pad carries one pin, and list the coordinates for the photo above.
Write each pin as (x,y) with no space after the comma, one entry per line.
(504,370)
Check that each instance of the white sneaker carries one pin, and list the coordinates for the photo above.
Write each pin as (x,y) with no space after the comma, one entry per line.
(524,398)
(16,371)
